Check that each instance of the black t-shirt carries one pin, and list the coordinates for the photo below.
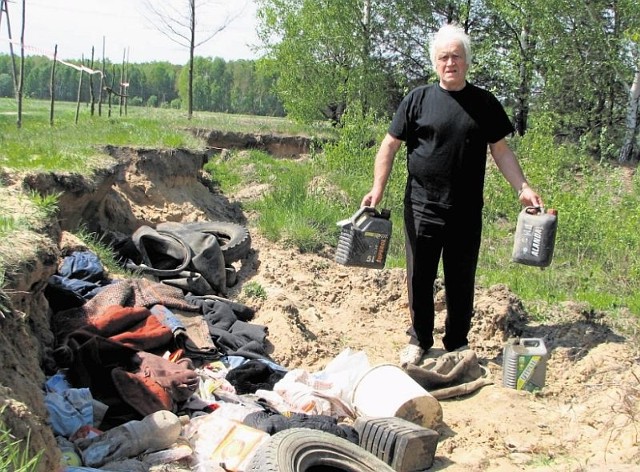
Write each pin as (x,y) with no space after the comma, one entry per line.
(447,134)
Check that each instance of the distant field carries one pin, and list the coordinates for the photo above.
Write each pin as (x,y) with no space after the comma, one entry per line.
(70,143)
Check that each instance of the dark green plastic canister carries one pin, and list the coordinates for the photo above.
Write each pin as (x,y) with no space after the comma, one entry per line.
(535,236)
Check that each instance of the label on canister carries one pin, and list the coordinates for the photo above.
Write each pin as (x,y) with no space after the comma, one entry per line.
(524,364)
(527,365)
(364,239)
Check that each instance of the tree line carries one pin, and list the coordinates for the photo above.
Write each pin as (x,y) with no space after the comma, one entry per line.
(219,86)
(573,63)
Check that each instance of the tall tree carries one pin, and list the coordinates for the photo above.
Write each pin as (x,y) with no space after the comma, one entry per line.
(323,55)
(330,54)
(631,45)
(180,23)
(586,65)
(629,148)
(509,50)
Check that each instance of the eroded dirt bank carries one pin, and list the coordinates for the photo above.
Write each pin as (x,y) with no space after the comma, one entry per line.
(586,417)
(277,145)
(139,187)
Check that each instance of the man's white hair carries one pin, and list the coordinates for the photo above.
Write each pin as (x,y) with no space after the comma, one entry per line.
(446,34)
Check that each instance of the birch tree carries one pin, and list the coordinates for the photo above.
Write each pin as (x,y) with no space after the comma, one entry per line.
(629,148)
(630,143)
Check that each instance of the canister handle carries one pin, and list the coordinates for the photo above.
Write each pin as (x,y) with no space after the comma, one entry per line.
(533,210)
(530,342)
(357,215)
(361,211)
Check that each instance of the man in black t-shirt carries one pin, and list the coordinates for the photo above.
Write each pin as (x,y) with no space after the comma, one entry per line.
(446,128)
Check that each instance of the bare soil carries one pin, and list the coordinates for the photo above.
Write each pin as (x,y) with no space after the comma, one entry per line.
(586,418)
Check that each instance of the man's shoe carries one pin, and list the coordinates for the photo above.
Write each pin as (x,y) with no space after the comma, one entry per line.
(411,354)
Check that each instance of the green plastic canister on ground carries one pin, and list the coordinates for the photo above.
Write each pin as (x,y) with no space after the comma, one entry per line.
(524,364)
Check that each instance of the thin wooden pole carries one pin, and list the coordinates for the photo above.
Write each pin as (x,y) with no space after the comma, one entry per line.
(126,85)
(101,80)
(113,77)
(79,90)
(92,98)
(21,79)
(124,53)
(52,85)
(5,8)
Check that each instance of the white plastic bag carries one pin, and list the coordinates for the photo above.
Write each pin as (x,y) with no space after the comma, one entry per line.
(326,392)
(343,372)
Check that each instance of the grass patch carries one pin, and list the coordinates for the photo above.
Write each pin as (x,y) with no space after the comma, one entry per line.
(47,205)
(108,257)
(70,146)
(254,290)
(300,208)
(300,201)
(7,224)
(14,453)
(296,213)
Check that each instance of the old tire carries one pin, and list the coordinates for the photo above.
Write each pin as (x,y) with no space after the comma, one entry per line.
(234,239)
(309,450)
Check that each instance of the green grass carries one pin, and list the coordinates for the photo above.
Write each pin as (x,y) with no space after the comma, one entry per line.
(254,290)
(299,209)
(67,146)
(106,254)
(47,205)
(14,453)
(75,147)
(596,260)
(7,224)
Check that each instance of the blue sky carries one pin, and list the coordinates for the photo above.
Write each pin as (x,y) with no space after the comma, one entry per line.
(76,26)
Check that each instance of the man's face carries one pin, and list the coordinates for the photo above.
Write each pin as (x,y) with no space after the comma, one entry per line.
(451,66)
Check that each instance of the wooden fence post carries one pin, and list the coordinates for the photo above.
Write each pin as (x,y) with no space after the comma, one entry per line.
(52,84)
(92,98)
(79,90)
(101,81)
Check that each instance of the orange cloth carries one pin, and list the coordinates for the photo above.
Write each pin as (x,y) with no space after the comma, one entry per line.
(135,327)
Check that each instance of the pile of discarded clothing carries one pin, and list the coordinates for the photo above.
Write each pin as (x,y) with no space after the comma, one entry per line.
(129,348)
(143,361)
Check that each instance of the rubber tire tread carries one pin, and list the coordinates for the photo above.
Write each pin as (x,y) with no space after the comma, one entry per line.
(299,449)
(234,239)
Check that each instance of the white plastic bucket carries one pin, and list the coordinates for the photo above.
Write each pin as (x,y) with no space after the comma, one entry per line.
(386,390)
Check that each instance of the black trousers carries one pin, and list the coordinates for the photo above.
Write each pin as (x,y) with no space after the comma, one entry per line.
(431,233)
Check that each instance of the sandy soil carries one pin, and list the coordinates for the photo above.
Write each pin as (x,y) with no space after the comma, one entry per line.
(586,418)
